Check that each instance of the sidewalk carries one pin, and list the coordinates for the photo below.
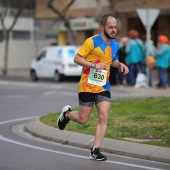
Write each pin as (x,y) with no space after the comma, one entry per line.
(156,153)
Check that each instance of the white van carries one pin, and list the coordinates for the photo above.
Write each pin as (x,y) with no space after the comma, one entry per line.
(55,62)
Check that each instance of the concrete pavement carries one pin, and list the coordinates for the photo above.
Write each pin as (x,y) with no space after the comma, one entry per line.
(143,151)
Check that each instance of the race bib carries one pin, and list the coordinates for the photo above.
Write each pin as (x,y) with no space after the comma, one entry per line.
(97,77)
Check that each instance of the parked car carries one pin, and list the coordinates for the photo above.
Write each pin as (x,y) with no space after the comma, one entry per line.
(55,62)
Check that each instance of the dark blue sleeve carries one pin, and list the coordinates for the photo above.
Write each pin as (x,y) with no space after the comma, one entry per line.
(115,48)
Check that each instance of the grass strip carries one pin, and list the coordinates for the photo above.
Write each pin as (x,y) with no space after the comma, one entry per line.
(147,119)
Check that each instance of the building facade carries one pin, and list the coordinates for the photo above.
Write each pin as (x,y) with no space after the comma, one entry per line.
(82,11)
(38,26)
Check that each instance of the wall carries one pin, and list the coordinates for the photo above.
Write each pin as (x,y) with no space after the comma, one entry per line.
(132,5)
(20,55)
(162,27)
(78,9)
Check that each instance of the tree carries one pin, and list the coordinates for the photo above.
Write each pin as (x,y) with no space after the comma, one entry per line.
(18,5)
(112,6)
(63,17)
(98,10)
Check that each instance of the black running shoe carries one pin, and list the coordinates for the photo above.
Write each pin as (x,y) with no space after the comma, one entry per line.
(95,154)
(62,120)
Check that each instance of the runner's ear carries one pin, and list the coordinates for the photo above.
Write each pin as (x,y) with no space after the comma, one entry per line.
(102,27)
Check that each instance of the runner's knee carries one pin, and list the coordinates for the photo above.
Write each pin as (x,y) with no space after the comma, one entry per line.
(83,120)
(103,118)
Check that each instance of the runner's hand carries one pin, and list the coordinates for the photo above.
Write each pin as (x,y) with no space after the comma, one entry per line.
(100,66)
(124,68)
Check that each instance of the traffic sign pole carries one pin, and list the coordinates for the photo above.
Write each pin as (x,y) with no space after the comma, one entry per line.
(148,31)
(148,17)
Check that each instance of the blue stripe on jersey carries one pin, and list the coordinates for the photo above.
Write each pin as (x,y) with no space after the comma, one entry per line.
(99,42)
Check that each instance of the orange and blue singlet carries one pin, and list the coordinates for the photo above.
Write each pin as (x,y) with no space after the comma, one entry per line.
(95,50)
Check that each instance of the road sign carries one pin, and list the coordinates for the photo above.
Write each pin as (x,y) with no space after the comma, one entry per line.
(148,16)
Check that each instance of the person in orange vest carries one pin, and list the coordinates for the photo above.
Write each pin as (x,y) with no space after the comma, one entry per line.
(135,52)
(162,55)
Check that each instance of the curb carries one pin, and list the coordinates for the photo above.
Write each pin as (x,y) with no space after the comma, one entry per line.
(137,150)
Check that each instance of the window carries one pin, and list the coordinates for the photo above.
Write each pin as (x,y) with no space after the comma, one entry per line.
(41,55)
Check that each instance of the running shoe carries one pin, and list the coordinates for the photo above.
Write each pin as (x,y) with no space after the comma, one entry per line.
(62,120)
(95,154)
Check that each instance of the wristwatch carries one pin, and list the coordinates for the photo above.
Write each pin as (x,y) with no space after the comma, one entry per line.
(93,66)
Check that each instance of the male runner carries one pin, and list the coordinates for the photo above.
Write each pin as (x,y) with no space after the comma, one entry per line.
(96,55)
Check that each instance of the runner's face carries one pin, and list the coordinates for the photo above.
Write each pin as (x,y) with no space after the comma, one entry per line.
(110,29)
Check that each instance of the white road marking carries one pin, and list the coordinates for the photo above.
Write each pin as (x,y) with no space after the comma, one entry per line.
(31,84)
(15,83)
(72,155)
(50,92)
(56,93)
(53,92)
(16,120)
(17,96)
(133,165)
(62,153)
(70,94)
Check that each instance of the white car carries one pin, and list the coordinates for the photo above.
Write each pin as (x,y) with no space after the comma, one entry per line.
(55,62)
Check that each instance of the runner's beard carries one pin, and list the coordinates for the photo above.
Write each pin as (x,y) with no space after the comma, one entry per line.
(108,36)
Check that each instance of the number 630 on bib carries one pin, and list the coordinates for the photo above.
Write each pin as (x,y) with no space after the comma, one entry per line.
(97,77)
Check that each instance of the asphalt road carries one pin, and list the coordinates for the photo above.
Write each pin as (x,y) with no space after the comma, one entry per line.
(20,101)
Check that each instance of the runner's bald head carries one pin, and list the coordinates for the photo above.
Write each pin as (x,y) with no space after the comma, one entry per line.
(104,19)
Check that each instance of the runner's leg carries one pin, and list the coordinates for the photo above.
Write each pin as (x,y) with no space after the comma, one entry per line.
(103,109)
(80,116)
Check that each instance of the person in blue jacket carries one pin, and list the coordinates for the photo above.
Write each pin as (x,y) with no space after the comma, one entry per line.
(162,55)
(135,53)
(169,73)
(152,48)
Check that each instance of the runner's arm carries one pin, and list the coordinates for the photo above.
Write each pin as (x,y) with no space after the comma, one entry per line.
(123,67)
(82,62)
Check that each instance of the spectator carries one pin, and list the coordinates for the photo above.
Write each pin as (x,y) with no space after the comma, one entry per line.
(152,48)
(134,55)
(162,55)
(114,71)
(169,74)
(122,56)
(168,70)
